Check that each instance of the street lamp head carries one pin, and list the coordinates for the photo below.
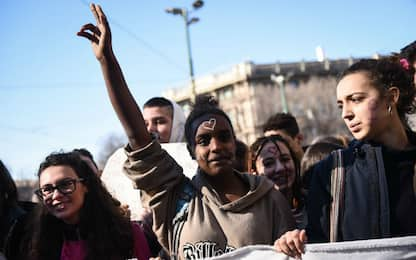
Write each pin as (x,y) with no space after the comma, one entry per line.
(198,4)
(174,11)
(193,20)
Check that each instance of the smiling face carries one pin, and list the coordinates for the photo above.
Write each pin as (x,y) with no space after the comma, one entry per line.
(277,164)
(63,206)
(294,142)
(364,110)
(215,146)
(159,120)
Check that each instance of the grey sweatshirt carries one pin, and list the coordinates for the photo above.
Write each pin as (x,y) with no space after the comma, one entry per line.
(211,227)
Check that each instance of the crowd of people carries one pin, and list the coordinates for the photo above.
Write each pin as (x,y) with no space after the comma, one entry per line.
(276,191)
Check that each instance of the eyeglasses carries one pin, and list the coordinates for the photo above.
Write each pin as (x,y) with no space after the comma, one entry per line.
(65,187)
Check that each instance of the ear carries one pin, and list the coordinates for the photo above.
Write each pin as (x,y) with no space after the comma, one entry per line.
(393,94)
(299,138)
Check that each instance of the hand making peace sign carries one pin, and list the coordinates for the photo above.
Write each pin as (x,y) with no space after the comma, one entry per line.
(99,35)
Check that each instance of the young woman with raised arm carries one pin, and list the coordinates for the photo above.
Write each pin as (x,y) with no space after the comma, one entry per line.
(220,209)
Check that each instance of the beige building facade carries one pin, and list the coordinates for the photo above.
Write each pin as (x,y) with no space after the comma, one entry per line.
(249,93)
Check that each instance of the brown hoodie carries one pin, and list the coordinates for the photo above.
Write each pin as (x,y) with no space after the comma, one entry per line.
(211,227)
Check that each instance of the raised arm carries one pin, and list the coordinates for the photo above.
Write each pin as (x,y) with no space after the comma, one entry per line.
(122,100)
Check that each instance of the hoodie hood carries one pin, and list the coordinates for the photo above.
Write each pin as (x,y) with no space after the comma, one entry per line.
(258,188)
(177,132)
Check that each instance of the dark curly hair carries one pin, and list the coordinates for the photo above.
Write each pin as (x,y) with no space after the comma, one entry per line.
(108,234)
(409,52)
(204,105)
(388,72)
(255,149)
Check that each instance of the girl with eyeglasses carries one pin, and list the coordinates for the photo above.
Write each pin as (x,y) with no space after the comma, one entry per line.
(77,217)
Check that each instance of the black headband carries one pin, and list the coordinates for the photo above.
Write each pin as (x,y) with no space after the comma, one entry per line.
(195,125)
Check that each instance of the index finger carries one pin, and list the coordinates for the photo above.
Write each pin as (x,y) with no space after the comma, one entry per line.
(299,246)
(93,8)
(101,15)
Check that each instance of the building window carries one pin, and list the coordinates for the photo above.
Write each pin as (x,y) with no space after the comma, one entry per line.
(186,107)
(225,93)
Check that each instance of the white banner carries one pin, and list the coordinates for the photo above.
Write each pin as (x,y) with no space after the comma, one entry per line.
(374,249)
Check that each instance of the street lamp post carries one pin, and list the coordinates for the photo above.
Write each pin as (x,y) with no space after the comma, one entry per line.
(280,80)
(185,15)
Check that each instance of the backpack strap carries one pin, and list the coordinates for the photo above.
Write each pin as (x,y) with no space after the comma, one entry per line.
(181,214)
(337,194)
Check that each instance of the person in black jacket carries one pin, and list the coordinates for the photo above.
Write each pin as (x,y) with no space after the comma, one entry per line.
(10,211)
(378,197)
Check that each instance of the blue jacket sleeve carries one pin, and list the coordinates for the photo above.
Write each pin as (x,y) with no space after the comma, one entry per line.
(319,201)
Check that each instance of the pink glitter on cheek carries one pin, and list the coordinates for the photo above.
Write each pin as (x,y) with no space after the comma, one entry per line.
(372,109)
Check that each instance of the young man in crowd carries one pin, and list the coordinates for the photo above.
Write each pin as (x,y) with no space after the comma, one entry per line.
(165,119)
(285,124)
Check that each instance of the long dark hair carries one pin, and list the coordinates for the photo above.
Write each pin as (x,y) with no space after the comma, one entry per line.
(255,149)
(107,233)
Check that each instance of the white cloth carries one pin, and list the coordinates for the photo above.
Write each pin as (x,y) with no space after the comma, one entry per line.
(374,249)
(121,187)
(177,132)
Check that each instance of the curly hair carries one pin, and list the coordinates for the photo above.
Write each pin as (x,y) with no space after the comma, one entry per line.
(255,149)
(108,234)
(388,72)
(409,52)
